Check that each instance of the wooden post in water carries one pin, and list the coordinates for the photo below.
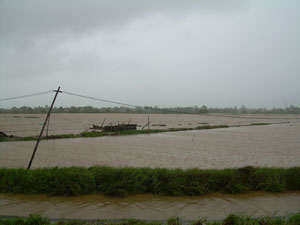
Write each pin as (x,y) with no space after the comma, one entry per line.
(148,123)
(41,133)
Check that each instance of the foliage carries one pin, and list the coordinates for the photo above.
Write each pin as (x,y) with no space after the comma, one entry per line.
(147,109)
(232,219)
(122,182)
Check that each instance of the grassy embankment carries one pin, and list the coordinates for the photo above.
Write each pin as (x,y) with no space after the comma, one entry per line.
(231,219)
(121,182)
(103,133)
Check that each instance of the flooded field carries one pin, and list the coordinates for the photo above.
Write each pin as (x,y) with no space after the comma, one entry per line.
(65,123)
(275,145)
(149,207)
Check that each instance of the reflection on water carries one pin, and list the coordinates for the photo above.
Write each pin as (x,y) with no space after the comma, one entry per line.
(213,206)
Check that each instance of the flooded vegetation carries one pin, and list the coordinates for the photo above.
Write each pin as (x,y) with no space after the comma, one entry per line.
(275,145)
(65,123)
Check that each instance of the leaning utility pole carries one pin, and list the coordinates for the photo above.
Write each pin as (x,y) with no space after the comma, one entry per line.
(39,138)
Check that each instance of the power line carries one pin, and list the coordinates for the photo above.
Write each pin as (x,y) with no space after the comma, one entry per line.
(126,104)
(165,110)
(131,105)
(102,100)
(26,96)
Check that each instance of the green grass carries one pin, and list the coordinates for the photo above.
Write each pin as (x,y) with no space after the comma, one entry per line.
(102,133)
(232,219)
(121,182)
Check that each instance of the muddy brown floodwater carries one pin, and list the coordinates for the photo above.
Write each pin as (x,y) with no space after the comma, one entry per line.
(275,145)
(65,123)
(149,207)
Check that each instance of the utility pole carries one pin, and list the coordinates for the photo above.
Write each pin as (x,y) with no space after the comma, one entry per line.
(47,127)
(41,133)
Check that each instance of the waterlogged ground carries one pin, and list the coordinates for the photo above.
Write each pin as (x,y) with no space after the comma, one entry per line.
(276,145)
(64,123)
(149,207)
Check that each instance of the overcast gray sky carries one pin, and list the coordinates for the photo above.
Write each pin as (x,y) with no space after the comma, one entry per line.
(219,53)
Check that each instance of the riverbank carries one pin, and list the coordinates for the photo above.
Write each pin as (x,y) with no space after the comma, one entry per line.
(121,182)
(232,219)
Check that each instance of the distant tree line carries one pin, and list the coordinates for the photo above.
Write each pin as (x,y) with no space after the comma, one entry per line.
(194,109)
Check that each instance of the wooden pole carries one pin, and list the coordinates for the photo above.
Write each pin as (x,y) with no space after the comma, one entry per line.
(47,127)
(102,122)
(41,133)
(148,123)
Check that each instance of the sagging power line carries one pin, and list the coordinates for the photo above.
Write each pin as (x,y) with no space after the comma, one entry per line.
(102,100)
(134,106)
(98,99)
(126,104)
(26,96)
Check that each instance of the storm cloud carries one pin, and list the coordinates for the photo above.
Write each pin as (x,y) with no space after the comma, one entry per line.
(164,53)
